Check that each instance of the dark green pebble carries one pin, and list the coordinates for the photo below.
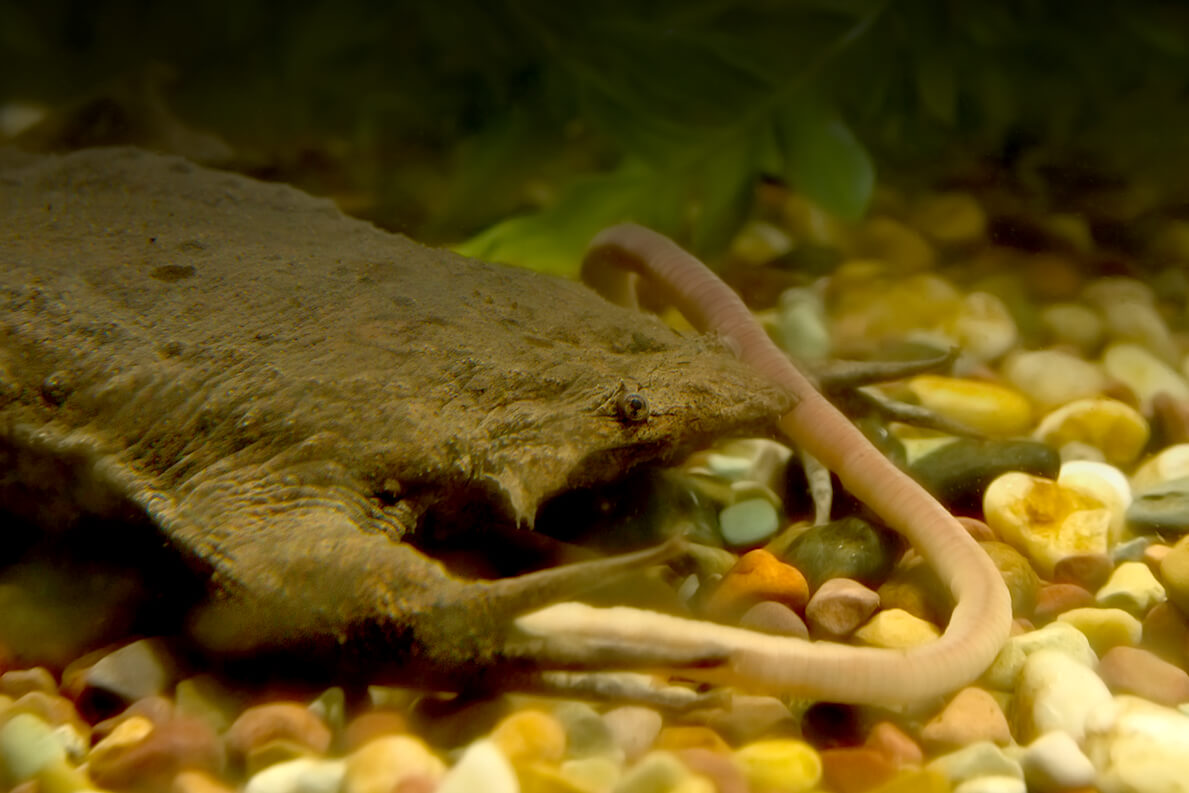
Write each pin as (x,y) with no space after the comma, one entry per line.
(847,548)
(958,473)
(1161,508)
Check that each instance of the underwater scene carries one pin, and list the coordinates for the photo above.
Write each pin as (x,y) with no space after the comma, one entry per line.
(717,396)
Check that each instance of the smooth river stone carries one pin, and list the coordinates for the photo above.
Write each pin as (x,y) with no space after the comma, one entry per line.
(1051,378)
(1161,508)
(1054,599)
(1057,636)
(1105,628)
(839,607)
(984,327)
(1174,572)
(1171,462)
(896,629)
(1103,482)
(1114,428)
(481,767)
(978,759)
(958,472)
(1133,588)
(1055,692)
(1074,324)
(277,721)
(774,618)
(1138,747)
(855,769)
(780,764)
(950,218)
(1131,670)
(748,522)
(18,682)
(847,548)
(300,775)
(530,736)
(757,576)
(1045,520)
(986,408)
(380,765)
(1144,373)
(973,714)
(1054,762)
(634,728)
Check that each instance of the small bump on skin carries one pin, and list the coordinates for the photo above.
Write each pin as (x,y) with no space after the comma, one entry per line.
(55,388)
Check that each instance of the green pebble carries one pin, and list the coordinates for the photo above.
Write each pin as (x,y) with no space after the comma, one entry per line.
(657,772)
(847,548)
(958,472)
(748,522)
(27,745)
(1164,507)
(1022,581)
(586,732)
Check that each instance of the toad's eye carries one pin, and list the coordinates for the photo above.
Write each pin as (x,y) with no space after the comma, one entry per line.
(632,407)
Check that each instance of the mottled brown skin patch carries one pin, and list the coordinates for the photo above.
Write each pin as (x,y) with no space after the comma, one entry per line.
(294,398)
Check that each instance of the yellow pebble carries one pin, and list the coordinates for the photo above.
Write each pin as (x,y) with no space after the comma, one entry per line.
(380,764)
(983,407)
(1112,427)
(1045,520)
(883,308)
(984,328)
(811,223)
(902,247)
(692,736)
(951,218)
(694,783)
(1105,628)
(598,772)
(129,732)
(62,778)
(530,736)
(780,764)
(896,629)
(544,778)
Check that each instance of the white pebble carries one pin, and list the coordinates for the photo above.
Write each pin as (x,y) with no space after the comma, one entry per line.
(1138,746)
(981,759)
(1170,463)
(481,767)
(1144,373)
(1133,588)
(1046,520)
(1056,692)
(1057,636)
(1074,324)
(1051,378)
(1104,482)
(303,775)
(985,328)
(634,728)
(1054,762)
(992,784)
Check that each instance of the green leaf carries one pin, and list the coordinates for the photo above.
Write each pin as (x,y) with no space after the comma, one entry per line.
(554,239)
(824,160)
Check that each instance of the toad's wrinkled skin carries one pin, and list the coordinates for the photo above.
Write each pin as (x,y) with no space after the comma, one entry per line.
(293,399)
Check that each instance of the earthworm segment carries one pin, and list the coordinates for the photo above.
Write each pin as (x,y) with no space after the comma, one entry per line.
(981,619)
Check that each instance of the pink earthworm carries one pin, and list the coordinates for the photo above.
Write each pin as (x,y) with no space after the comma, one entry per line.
(982,617)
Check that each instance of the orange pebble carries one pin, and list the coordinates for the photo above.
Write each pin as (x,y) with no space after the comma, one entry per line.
(757,576)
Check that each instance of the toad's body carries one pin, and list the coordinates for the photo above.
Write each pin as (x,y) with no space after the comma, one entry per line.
(290,397)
